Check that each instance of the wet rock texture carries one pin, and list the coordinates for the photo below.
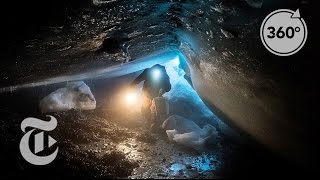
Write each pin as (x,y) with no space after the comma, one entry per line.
(92,145)
(75,36)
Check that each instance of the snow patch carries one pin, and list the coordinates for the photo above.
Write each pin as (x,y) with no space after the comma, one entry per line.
(76,95)
(188,133)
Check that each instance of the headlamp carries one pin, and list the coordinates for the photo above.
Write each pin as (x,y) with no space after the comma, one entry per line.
(156,74)
(131,98)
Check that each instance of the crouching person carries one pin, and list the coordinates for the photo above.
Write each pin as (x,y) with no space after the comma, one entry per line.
(156,83)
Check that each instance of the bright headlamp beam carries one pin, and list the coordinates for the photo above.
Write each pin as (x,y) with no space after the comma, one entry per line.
(131,98)
(156,74)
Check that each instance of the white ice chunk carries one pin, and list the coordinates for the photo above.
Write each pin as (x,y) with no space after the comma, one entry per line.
(76,95)
(188,133)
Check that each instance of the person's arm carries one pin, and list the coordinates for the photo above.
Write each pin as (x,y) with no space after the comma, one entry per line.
(140,78)
(167,85)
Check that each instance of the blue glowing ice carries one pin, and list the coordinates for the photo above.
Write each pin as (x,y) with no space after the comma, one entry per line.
(206,163)
(177,167)
(183,99)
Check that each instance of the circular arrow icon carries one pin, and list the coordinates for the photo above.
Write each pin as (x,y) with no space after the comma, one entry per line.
(283,32)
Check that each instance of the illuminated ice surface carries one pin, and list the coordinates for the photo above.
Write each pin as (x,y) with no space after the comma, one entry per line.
(76,95)
(184,100)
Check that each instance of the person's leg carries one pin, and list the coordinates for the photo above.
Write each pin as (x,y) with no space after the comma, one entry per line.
(145,108)
(159,112)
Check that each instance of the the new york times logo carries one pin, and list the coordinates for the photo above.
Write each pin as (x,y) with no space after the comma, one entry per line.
(39,140)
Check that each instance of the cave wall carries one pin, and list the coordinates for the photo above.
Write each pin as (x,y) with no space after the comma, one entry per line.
(266,97)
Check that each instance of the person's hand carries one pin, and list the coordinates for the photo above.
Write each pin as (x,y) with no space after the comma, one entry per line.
(161,92)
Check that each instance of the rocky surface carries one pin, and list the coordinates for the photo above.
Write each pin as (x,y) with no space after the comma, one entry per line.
(87,34)
(109,144)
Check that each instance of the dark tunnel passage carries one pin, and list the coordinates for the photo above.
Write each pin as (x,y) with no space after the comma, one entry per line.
(80,133)
(262,106)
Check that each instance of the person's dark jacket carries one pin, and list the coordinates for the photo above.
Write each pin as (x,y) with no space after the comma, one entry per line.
(151,85)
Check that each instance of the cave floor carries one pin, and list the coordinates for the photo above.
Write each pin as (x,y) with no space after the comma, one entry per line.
(111,145)
(107,144)
(145,154)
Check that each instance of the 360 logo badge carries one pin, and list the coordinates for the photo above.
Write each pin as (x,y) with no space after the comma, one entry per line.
(283,32)
(25,150)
